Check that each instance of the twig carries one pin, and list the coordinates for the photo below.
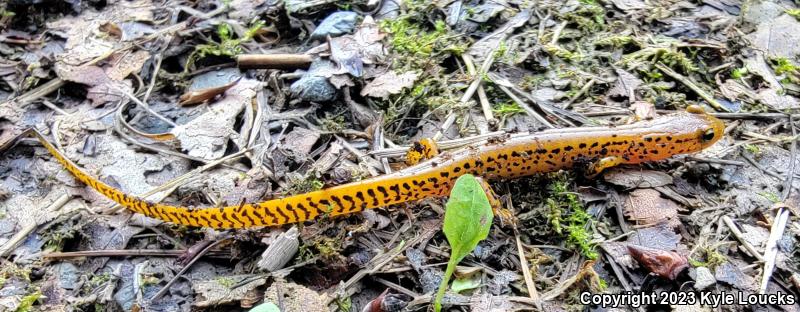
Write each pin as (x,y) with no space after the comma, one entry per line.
(525,106)
(738,234)
(771,250)
(23,233)
(580,93)
(484,100)
(787,184)
(526,271)
(274,61)
(125,253)
(144,105)
(166,287)
(691,85)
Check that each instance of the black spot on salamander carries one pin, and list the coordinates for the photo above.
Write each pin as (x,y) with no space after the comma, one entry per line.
(669,138)
(550,156)
(556,151)
(641,144)
(535,162)
(541,151)
(606,144)
(613,135)
(466,165)
(582,145)
(648,139)
(434,180)
(654,151)
(360,195)
(568,148)
(478,163)
(594,144)
(406,186)
(457,170)
(658,139)
(514,154)
(490,159)
(503,156)
(604,151)
(491,169)
(443,174)
(550,162)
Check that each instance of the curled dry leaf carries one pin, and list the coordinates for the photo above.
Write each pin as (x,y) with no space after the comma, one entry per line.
(666,264)
(389,83)
(202,95)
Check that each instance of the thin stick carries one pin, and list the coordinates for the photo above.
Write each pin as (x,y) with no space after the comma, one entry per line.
(691,85)
(771,250)
(526,271)
(738,234)
(185,268)
(274,61)
(125,253)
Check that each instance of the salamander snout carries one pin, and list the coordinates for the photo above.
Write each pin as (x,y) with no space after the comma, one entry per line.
(711,129)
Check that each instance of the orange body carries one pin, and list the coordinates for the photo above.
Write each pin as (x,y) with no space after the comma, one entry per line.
(547,151)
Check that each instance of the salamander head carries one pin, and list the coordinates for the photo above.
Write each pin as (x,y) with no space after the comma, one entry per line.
(705,129)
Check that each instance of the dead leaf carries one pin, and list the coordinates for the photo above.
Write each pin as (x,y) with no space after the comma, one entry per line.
(635,178)
(207,136)
(124,64)
(351,52)
(646,206)
(625,86)
(202,95)
(389,83)
(296,298)
(664,263)
(217,291)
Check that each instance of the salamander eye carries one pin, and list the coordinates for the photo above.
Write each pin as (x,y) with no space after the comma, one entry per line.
(708,135)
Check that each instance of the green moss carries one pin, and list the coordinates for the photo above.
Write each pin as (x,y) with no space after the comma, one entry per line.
(225,281)
(616,41)
(507,109)
(227,46)
(590,16)
(713,259)
(26,304)
(304,185)
(794,13)
(671,57)
(752,149)
(562,53)
(785,67)
(568,217)
(769,196)
(739,73)
(333,123)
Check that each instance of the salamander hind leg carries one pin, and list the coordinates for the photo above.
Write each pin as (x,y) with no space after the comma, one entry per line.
(505,215)
(602,164)
(421,150)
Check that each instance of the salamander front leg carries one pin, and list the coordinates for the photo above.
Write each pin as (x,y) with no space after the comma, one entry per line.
(505,215)
(602,164)
(421,150)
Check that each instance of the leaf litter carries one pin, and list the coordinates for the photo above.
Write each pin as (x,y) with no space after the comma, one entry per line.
(109,79)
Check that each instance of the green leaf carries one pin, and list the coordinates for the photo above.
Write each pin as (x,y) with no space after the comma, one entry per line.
(265,307)
(466,283)
(467,219)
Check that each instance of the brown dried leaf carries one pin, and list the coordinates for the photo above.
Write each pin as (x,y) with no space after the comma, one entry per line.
(664,263)
(124,64)
(634,178)
(202,95)
(389,83)
(646,206)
